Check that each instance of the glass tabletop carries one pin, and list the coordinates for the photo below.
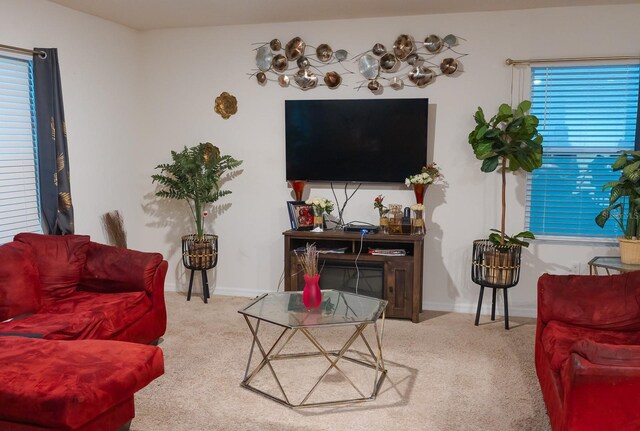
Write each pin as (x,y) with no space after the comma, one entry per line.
(337,308)
(613,262)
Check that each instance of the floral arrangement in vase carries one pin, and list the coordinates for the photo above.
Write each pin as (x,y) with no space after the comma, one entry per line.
(320,206)
(382,211)
(429,174)
(308,259)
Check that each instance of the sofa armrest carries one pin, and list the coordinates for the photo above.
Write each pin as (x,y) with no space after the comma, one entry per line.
(602,387)
(602,302)
(111,269)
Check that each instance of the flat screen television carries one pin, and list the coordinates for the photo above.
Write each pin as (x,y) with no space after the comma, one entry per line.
(371,140)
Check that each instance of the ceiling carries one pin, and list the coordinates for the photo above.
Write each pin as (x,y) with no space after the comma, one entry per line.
(160,14)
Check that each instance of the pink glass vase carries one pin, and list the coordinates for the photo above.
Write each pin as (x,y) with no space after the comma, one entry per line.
(419,190)
(311,295)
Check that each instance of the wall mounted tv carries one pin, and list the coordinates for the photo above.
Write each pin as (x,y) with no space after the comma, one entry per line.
(371,140)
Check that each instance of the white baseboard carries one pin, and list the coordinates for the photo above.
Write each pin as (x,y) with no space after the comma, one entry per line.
(467,308)
(219,290)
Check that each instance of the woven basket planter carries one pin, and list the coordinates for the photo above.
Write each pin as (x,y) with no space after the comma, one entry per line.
(200,253)
(629,251)
(495,265)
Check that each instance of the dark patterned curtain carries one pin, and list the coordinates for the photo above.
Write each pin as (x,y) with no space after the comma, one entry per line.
(53,159)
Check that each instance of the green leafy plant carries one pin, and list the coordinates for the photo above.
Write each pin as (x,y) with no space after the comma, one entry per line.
(194,176)
(509,139)
(624,201)
(518,239)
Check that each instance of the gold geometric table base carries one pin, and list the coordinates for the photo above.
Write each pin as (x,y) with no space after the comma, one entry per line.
(332,357)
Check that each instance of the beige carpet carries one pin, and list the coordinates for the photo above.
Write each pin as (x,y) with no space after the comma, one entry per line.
(443,374)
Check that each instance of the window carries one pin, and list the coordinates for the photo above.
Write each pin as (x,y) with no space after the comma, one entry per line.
(19,202)
(587,114)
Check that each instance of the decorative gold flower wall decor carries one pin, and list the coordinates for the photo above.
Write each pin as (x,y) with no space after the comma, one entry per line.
(226,105)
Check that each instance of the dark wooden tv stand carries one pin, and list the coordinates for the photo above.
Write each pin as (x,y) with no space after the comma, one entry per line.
(402,275)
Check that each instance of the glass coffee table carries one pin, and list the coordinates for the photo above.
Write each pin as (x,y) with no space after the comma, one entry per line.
(609,263)
(338,309)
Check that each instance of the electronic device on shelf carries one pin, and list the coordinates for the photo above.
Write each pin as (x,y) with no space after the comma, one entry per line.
(358,141)
(360,228)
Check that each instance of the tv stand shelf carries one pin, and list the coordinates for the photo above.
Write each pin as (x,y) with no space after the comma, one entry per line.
(402,275)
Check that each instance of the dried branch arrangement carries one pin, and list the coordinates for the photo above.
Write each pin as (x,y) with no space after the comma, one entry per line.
(114,227)
(309,259)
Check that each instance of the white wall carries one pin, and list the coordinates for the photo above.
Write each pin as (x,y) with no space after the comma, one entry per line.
(99,66)
(132,97)
(187,68)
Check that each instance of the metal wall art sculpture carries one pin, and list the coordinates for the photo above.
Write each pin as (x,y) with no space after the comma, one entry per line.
(298,64)
(417,62)
(406,63)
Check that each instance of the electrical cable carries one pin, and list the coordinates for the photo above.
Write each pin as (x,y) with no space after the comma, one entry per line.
(355,262)
(280,281)
(340,223)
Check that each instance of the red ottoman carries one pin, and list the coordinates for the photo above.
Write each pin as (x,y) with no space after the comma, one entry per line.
(72,385)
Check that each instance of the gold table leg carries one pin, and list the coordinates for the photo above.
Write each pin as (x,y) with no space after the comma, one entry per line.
(273,353)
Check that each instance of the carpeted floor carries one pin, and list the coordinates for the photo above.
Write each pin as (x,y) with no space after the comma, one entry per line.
(443,374)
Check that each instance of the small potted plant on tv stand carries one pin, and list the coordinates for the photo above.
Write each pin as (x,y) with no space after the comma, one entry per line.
(509,140)
(194,177)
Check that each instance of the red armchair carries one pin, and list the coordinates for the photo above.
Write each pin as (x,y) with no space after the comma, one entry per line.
(67,288)
(56,289)
(587,351)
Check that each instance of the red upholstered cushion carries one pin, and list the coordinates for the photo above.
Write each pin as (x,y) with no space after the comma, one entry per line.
(76,326)
(19,282)
(558,339)
(608,354)
(610,302)
(60,260)
(110,269)
(64,385)
(116,310)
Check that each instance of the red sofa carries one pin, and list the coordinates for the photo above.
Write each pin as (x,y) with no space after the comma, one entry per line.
(587,351)
(61,299)
(70,288)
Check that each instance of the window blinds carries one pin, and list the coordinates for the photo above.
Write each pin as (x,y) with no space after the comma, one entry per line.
(19,210)
(587,114)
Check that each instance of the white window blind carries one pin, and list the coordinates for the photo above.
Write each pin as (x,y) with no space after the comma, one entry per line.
(587,114)
(19,201)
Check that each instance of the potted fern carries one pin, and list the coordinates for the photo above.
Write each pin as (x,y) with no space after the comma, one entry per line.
(194,177)
(624,205)
(509,140)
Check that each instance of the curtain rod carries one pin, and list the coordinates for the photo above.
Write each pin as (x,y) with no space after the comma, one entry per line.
(23,50)
(511,62)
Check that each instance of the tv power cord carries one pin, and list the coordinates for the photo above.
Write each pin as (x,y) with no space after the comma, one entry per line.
(363,232)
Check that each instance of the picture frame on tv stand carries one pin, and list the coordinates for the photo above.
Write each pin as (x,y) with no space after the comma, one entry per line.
(300,215)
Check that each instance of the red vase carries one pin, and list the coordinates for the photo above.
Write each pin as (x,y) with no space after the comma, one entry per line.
(419,190)
(311,295)
(298,188)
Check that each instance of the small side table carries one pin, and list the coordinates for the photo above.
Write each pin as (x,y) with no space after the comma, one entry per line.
(609,263)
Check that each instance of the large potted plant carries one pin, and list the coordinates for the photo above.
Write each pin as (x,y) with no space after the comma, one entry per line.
(509,140)
(624,205)
(194,177)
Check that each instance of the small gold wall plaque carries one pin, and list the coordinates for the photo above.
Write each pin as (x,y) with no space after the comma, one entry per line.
(226,105)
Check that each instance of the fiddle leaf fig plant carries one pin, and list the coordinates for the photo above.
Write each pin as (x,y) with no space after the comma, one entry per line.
(509,139)
(624,201)
(194,176)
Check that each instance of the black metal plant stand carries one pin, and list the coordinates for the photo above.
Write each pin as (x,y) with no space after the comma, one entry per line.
(200,255)
(495,267)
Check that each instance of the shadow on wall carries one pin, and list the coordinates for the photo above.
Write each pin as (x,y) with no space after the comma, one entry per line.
(433,239)
(175,219)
